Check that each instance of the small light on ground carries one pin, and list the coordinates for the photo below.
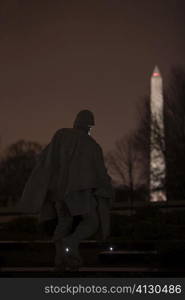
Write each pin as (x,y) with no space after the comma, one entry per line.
(111,248)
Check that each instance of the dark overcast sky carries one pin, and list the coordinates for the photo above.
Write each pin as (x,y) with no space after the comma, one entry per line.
(58,57)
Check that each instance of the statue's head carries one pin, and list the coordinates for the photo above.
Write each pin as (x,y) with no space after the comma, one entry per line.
(84,120)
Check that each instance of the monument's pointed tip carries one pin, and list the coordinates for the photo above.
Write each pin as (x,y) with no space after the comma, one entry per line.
(156,72)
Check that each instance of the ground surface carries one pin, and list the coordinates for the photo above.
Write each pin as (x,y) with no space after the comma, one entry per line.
(35,259)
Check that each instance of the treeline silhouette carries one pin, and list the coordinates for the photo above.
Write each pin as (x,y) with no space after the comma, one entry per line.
(16,164)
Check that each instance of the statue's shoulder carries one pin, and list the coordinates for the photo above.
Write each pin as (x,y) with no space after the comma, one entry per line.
(62,131)
(87,139)
(94,143)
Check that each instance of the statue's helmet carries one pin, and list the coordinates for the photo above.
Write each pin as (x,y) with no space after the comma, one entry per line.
(84,119)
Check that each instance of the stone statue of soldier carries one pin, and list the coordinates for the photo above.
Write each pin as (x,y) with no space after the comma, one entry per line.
(70,180)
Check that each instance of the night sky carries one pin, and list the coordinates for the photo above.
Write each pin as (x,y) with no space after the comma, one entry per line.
(58,57)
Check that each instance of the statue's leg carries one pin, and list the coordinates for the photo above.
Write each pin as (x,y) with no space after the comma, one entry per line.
(63,228)
(85,229)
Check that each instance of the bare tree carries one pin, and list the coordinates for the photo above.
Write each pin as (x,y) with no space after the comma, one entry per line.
(16,165)
(175,134)
(124,163)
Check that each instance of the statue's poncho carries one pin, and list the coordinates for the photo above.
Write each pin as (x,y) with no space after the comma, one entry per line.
(71,163)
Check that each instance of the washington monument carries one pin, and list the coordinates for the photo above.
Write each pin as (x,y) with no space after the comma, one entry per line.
(157,139)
